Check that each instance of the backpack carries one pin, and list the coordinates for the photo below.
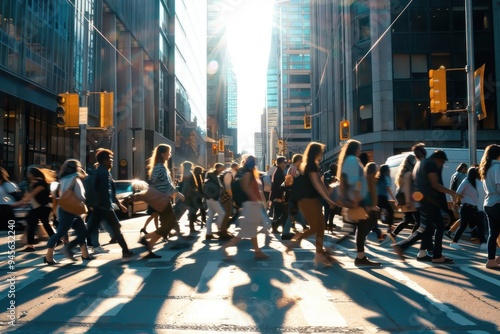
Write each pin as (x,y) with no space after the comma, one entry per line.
(211,188)
(91,193)
(239,195)
(454,184)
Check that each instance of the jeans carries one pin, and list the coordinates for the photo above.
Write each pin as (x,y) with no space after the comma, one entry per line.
(111,223)
(298,217)
(431,220)
(493,214)
(41,213)
(469,215)
(66,221)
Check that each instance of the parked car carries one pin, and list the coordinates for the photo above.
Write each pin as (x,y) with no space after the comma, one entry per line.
(124,189)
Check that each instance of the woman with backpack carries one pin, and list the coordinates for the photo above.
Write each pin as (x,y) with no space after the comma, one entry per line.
(39,196)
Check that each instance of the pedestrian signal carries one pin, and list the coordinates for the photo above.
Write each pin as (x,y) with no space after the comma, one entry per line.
(345,131)
(437,90)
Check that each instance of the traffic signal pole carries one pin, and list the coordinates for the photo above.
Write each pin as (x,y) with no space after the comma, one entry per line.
(471,108)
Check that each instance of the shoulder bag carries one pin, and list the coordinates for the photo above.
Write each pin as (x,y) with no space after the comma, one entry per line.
(69,202)
(156,199)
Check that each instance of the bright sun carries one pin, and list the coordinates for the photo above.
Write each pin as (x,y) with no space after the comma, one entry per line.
(249,38)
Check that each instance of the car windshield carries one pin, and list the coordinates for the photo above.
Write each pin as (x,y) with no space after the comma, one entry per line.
(122,187)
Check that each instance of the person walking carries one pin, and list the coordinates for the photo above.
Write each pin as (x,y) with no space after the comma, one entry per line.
(404,184)
(469,213)
(310,203)
(189,188)
(103,211)
(38,195)
(227,179)
(200,203)
(252,211)
(213,201)
(329,177)
(161,180)
(276,196)
(428,176)
(70,178)
(384,194)
(489,170)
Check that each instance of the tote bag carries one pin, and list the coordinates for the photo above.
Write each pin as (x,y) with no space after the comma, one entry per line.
(156,199)
(69,202)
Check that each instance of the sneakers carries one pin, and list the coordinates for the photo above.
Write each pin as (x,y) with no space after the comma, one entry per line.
(99,250)
(127,255)
(287,236)
(483,247)
(365,262)
(455,246)
(152,255)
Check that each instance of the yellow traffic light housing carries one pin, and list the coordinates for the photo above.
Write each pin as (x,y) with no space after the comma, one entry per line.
(345,130)
(107,109)
(437,90)
(215,149)
(307,121)
(68,109)
(221,145)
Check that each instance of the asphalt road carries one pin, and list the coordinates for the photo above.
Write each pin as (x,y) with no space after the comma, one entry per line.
(194,290)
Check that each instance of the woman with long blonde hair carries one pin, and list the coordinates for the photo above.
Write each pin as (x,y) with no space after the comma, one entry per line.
(489,170)
(161,180)
(310,204)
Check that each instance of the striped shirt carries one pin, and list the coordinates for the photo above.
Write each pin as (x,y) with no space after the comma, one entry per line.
(161,179)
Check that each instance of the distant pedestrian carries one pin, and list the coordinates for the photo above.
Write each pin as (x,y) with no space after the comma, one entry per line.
(215,208)
(385,194)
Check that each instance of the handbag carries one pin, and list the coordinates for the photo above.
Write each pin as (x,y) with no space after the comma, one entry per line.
(354,215)
(156,199)
(69,202)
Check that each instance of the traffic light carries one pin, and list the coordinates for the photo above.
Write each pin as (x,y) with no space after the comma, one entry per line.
(307,121)
(345,130)
(107,103)
(215,149)
(221,145)
(67,110)
(437,90)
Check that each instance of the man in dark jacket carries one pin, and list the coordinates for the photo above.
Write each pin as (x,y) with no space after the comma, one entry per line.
(276,196)
(103,211)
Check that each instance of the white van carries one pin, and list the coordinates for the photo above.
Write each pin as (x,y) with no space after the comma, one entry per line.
(455,157)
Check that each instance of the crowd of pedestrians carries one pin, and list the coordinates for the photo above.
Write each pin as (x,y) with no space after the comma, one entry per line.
(295,201)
